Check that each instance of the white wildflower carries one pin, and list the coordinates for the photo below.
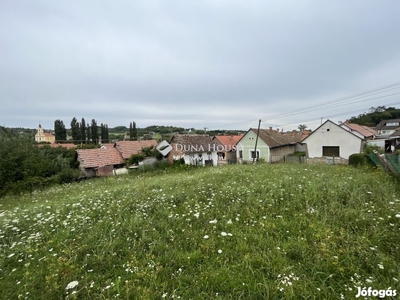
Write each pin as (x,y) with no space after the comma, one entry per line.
(72,284)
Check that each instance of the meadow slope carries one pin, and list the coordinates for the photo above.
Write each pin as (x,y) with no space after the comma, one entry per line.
(232,232)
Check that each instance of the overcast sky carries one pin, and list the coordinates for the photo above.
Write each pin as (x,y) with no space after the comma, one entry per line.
(217,64)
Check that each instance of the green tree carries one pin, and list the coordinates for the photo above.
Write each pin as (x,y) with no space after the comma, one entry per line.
(75,131)
(94,132)
(133,131)
(104,133)
(83,131)
(302,127)
(88,132)
(60,131)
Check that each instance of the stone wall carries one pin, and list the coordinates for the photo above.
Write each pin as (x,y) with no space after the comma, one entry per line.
(328,160)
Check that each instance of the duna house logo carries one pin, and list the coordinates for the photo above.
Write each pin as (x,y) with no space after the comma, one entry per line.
(164,148)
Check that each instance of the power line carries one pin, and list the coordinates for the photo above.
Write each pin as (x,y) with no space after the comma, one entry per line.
(328,104)
(364,100)
(334,115)
(337,102)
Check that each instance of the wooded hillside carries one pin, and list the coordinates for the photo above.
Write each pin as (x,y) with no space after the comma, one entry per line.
(375,115)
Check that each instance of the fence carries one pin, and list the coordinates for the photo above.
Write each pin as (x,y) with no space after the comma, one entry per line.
(288,159)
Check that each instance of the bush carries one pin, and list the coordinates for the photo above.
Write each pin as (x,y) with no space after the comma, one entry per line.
(136,158)
(178,162)
(358,159)
(368,148)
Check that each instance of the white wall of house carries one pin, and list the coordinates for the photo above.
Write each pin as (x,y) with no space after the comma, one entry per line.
(331,135)
(246,145)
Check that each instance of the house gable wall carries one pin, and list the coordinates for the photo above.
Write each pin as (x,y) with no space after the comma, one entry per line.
(330,134)
(247,144)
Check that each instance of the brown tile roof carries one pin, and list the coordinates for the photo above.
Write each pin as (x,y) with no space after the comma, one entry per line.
(192,142)
(363,130)
(297,136)
(229,140)
(278,139)
(127,148)
(99,157)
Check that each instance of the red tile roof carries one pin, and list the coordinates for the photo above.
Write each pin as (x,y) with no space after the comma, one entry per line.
(363,130)
(127,148)
(229,140)
(104,156)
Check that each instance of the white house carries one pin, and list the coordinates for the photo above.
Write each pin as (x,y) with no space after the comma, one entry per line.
(331,140)
(195,149)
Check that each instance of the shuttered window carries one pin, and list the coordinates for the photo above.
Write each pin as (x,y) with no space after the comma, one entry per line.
(330,151)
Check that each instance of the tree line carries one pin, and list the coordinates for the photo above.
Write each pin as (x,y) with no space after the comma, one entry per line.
(26,165)
(82,132)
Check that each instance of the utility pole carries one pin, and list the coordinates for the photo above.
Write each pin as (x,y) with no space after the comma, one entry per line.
(255,148)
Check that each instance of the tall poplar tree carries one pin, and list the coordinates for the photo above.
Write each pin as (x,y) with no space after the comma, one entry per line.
(75,131)
(94,132)
(83,130)
(104,133)
(88,132)
(133,131)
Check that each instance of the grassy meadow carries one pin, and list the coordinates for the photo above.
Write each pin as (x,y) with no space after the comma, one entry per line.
(232,232)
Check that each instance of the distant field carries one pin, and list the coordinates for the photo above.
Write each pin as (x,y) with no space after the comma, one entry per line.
(232,232)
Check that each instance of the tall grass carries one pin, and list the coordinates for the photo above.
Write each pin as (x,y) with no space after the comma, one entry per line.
(232,232)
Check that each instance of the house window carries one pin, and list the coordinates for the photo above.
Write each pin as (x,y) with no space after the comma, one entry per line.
(392,124)
(240,153)
(253,154)
(330,151)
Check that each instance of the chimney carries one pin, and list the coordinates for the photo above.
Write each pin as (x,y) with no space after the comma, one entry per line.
(270,128)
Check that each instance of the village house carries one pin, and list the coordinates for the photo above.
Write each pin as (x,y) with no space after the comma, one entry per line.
(100,161)
(110,158)
(386,127)
(195,149)
(227,153)
(272,145)
(331,140)
(364,132)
